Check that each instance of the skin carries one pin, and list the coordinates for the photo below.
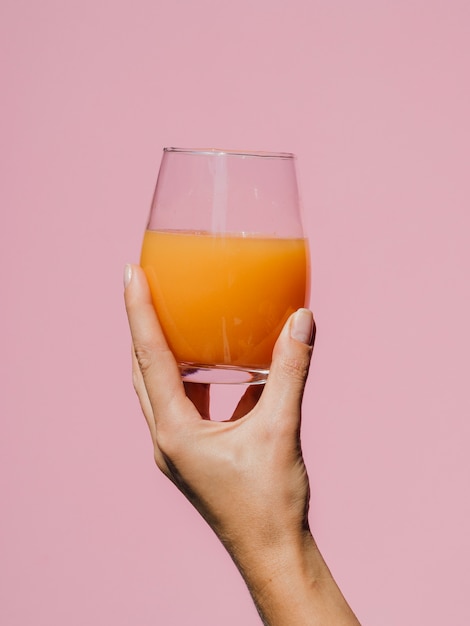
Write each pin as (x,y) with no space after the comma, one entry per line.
(246,476)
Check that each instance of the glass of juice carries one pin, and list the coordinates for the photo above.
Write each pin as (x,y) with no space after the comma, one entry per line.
(226,259)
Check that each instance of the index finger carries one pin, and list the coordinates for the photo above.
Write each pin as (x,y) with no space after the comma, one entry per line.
(159,369)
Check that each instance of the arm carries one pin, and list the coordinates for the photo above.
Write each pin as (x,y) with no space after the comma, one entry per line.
(246,476)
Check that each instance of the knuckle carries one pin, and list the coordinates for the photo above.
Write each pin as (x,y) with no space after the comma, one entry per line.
(167,443)
(160,461)
(144,358)
(294,368)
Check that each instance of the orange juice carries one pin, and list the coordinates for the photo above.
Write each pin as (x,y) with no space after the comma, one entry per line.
(223,299)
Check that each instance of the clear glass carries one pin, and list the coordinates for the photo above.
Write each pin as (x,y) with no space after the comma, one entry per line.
(226,259)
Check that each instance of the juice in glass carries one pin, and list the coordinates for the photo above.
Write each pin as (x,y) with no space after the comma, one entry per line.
(222,299)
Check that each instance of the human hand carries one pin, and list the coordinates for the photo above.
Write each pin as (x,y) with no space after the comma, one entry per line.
(245,475)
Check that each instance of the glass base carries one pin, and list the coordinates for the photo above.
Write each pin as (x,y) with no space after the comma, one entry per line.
(222,374)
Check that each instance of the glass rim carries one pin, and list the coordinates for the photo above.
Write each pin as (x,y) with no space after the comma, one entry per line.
(235,153)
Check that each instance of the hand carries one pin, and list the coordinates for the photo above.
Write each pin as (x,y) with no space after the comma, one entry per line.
(246,475)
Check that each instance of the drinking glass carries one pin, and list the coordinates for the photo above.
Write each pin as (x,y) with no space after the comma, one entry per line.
(226,259)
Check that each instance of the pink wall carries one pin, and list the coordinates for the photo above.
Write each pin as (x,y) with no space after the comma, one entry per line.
(373,96)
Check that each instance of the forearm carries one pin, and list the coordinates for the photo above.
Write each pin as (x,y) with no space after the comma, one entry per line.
(292,585)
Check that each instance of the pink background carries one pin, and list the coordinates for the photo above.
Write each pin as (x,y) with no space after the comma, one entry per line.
(374,98)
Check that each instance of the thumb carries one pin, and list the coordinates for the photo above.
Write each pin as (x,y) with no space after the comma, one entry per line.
(290,364)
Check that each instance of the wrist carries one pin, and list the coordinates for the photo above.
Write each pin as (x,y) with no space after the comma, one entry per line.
(292,558)
(291,583)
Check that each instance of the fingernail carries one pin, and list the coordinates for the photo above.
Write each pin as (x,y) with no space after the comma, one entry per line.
(127,275)
(301,327)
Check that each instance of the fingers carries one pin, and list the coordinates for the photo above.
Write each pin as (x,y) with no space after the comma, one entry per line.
(158,381)
(142,394)
(160,373)
(147,410)
(289,368)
